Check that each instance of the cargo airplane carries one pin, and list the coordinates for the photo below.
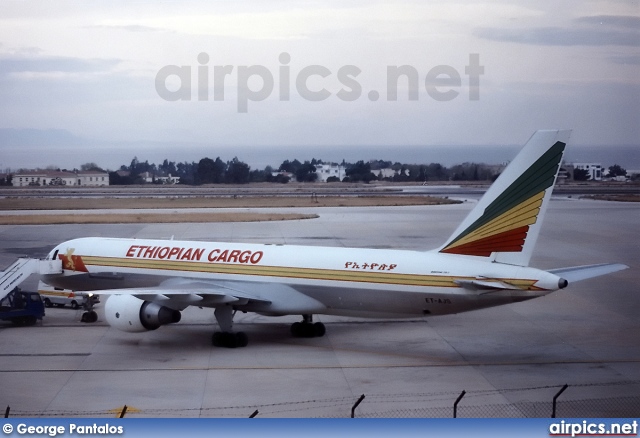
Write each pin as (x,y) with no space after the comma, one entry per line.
(484,263)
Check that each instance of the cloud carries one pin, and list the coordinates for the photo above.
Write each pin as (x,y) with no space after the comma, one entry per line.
(15,64)
(625,60)
(271,21)
(54,68)
(559,36)
(598,30)
(623,21)
(130,28)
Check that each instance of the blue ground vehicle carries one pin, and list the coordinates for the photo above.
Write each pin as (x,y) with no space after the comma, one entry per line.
(21,308)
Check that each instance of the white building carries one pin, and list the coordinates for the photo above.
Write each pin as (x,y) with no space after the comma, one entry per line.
(28,178)
(327,170)
(594,169)
(633,173)
(92,178)
(149,177)
(43,178)
(384,173)
(388,172)
(168,179)
(59,178)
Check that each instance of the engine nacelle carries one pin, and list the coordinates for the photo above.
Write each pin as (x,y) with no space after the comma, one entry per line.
(131,314)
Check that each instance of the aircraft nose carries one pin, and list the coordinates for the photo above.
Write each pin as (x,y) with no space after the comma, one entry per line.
(562,283)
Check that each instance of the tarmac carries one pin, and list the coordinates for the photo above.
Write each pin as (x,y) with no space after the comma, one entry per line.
(510,360)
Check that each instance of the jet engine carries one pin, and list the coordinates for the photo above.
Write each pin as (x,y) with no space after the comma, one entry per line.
(131,314)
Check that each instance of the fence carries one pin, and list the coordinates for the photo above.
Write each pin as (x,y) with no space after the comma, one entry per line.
(533,402)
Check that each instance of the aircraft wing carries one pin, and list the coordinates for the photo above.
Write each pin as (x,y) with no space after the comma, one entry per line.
(179,293)
(577,273)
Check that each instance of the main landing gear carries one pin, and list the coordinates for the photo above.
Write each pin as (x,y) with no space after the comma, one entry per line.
(227,338)
(307,328)
(230,339)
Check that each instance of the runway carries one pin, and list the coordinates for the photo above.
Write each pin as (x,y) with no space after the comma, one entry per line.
(510,360)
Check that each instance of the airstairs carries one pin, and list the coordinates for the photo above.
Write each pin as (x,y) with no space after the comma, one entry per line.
(19,271)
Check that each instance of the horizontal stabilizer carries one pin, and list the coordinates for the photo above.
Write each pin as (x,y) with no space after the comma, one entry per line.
(577,273)
(485,286)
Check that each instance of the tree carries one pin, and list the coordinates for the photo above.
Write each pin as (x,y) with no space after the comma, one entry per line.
(237,172)
(220,168)
(290,166)
(360,171)
(133,167)
(280,178)
(306,172)
(422,174)
(379,164)
(115,179)
(617,170)
(402,172)
(90,166)
(436,171)
(581,175)
(6,180)
(205,174)
(187,172)
(257,175)
(168,168)
(137,167)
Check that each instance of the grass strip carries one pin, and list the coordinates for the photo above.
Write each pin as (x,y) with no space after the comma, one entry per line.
(134,218)
(54,203)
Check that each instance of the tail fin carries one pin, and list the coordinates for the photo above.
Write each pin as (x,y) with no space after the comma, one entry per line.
(505,223)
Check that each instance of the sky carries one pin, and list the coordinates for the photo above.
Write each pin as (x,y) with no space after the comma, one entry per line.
(103,81)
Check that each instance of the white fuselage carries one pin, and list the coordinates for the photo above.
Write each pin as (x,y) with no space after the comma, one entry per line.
(346,281)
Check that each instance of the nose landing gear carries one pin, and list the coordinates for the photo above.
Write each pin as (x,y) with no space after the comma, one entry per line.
(89,315)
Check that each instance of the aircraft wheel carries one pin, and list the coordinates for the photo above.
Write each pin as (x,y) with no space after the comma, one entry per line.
(302,330)
(230,340)
(319,329)
(242,339)
(308,330)
(91,316)
(296,329)
(216,340)
(47,302)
